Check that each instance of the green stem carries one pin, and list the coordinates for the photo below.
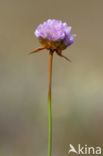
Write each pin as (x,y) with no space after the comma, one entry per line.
(49,105)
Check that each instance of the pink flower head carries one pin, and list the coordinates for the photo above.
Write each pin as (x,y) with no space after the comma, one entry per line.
(55,31)
(54,35)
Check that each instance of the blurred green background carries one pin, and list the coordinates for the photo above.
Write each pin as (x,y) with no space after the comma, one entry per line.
(77,101)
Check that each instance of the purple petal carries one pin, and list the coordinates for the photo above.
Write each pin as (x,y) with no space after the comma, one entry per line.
(55,30)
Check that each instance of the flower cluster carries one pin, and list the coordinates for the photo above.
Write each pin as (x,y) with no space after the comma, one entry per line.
(54,34)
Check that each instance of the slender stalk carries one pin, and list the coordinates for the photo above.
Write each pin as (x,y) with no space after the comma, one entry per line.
(49,105)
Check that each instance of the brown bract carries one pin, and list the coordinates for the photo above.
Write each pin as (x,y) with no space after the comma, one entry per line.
(53,46)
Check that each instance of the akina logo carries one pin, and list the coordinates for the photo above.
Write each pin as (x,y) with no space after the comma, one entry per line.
(85,149)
